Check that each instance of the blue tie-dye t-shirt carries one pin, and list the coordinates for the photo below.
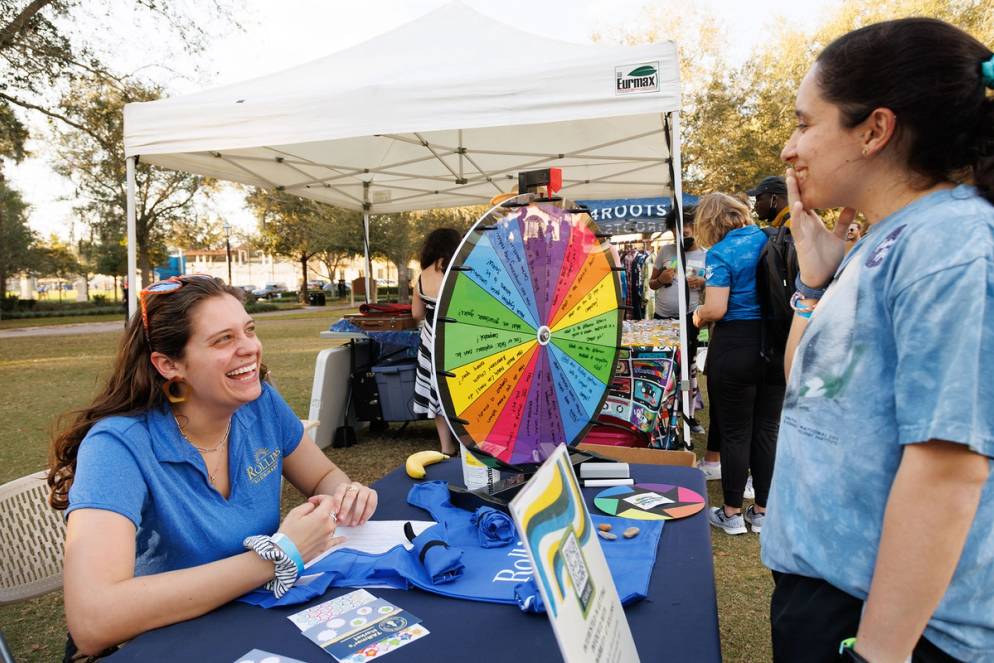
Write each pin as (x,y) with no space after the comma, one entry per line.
(731,263)
(900,350)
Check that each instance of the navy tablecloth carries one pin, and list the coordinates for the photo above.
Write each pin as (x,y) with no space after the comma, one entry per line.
(678,622)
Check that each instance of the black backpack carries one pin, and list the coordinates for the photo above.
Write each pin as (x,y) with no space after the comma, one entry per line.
(775,276)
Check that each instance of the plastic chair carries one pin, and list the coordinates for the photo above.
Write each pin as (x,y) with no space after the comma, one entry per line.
(32,535)
(5,655)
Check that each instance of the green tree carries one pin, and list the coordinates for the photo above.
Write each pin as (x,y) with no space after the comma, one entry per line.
(298,228)
(44,46)
(94,161)
(56,259)
(343,245)
(398,237)
(737,119)
(16,238)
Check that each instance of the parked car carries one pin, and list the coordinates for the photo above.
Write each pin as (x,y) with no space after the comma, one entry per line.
(316,284)
(332,288)
(248,288)
(270,290)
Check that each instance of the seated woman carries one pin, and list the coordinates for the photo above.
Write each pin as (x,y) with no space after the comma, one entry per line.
(171,477)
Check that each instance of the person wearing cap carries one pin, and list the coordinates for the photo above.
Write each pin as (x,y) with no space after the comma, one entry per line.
(771,201)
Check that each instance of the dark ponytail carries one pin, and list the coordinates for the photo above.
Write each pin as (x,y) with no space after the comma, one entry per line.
(929,74)
(983,169)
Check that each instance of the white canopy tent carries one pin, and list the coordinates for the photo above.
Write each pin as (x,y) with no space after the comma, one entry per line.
(440,112)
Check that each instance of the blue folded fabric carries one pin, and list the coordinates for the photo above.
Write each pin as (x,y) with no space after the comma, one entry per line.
(467,569)
(528,597)
(494,528)
(345,568)
(630,561)
(442,562)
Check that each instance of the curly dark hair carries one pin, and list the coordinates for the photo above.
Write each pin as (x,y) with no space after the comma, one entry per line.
(440,244)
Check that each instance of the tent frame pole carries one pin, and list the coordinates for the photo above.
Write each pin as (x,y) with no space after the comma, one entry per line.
(130,163)
(672,123)
(366,206)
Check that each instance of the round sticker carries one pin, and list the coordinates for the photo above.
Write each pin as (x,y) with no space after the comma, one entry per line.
(649,501)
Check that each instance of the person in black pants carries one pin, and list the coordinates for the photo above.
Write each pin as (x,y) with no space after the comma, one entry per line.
(744,390)
(666,297)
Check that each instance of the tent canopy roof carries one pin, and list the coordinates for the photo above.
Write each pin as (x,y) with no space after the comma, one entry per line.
(442,111)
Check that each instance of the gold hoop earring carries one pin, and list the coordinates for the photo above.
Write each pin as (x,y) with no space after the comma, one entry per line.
(181,387)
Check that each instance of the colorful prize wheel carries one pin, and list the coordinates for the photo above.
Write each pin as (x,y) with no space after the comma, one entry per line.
(527,332)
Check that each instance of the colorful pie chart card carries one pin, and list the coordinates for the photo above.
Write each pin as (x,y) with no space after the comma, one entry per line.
(649,501)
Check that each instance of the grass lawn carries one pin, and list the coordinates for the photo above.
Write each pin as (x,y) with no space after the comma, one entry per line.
(46,375)
(60,320)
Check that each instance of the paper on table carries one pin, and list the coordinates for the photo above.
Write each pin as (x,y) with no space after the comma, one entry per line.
(376,536)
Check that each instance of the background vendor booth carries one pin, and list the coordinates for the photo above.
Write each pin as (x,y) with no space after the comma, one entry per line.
(399,123)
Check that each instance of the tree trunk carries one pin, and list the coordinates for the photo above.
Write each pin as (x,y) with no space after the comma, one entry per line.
(403,281)
(303,282)
(144,267)
(3,266)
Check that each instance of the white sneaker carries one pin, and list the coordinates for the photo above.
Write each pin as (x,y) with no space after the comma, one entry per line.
(712,471)
(731,524)
(754,518)
(749,493)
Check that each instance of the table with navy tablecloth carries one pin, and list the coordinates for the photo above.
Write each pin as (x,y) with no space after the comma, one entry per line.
(677,622)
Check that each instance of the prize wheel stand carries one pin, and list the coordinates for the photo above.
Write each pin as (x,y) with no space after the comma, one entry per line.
(527,335)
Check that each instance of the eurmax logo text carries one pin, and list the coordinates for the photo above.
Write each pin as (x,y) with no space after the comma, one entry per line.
(637,78)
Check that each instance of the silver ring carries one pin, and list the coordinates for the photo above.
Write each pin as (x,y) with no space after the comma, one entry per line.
(352,489)
(333,517)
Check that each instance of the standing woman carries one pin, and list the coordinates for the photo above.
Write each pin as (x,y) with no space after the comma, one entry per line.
(171,478)
(438,249)
(744,391)
(881,508)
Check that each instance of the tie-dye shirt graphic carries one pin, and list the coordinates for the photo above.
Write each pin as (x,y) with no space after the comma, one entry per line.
(900,350)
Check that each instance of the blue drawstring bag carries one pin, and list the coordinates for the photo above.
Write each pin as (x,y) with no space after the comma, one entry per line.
(441,562)
(495,574)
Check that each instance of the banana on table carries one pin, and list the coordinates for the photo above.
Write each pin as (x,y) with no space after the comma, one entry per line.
(416,462)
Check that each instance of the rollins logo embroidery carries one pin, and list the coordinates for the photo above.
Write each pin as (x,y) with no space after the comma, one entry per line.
(521,567)
(265,463)
(637,78)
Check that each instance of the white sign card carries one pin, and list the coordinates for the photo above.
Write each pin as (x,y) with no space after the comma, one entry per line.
(570,570)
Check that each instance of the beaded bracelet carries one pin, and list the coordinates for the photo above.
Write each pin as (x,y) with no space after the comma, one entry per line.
(803,310)
(286,568)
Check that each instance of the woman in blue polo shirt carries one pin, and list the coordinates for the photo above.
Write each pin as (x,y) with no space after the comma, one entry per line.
(171,477)
(744,396)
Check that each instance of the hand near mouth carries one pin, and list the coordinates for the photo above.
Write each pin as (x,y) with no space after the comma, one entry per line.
(819,250)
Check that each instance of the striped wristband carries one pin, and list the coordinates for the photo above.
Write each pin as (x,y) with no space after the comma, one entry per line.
(287,545)
(286,568)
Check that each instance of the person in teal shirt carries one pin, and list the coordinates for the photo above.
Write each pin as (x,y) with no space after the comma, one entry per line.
(881,510)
